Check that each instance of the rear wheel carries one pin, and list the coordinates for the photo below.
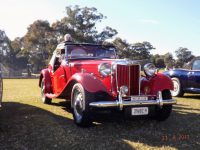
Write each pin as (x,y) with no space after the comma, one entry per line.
(80,105)
(178,91)
(45,99)
(163,113)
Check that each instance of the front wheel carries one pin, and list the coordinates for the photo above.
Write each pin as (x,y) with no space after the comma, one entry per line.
(163,113)
(45,99)
(80,105)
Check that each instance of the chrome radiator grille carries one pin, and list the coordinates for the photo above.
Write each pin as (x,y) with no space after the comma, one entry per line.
(128,75)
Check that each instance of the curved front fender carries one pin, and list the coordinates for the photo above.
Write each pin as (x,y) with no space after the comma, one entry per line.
(157,83)
(89,82)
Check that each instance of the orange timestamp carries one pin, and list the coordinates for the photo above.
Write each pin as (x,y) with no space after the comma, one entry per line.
(175,137)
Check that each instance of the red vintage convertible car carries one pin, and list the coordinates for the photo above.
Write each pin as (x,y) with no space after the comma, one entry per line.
(91,77)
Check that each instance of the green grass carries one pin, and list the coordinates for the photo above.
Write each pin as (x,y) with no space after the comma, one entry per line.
(26,123)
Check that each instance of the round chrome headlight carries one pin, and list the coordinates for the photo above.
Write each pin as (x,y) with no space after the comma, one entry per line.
(150,69)
(104,69)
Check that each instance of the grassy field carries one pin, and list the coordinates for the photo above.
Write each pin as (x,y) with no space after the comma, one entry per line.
(26,123)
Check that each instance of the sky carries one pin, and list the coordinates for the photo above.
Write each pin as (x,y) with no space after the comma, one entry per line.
(167,25)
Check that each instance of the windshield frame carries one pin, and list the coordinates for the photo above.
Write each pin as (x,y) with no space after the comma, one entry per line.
(103,47)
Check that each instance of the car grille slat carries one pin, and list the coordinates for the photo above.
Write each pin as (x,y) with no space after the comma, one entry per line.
(129,76)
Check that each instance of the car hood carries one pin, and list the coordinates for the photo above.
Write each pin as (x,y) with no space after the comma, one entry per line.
(91,66)
(110,61)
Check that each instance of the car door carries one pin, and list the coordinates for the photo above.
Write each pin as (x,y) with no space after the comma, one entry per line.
(194,76)
(59,79)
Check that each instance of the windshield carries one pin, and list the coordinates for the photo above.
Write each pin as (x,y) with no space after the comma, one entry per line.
(90,51)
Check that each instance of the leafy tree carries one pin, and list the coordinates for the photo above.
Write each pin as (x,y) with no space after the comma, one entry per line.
(18,60)
(4,48)
(142,50)
(184,55)
(81,24)
(154,57)
(38,43)
(4,43)
(133,51)
(41,38)
(9,52)
(169,60)
(123,48)
(159,62)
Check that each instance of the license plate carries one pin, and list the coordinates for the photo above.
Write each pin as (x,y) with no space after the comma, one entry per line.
(139,98)
(139,111)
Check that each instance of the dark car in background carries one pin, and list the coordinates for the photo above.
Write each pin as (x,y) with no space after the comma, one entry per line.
(187,79)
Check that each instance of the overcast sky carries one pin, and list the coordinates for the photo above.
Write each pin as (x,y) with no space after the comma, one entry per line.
(167,25)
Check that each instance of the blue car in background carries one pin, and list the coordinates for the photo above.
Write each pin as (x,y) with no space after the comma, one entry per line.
(186,80)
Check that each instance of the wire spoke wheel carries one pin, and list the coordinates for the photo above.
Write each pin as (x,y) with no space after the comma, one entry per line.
(80,105)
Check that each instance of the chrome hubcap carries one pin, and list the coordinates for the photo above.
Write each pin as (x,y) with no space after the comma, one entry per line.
(176,88)
(78,105)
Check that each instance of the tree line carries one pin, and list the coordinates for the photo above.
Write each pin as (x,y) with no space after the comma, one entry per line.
(37,45)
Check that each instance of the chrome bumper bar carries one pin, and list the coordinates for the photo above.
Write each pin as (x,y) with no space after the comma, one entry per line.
(106,104)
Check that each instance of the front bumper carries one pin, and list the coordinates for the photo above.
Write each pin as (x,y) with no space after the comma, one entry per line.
(105,104)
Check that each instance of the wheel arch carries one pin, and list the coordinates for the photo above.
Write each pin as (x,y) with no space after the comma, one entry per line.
(69,87)
(180,74)
(47,80)
(154,84)
(89,82)
(175,76)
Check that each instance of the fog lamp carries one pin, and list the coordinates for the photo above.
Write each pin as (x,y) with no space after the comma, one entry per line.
(124,90)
